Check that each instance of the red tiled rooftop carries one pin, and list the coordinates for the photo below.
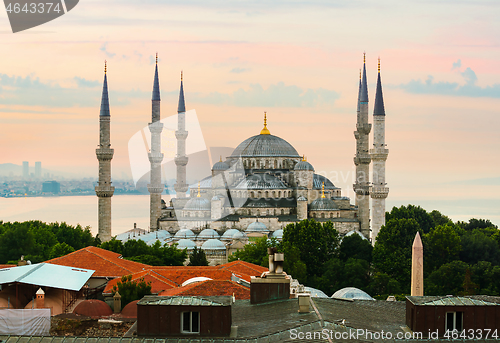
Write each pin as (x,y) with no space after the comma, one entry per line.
(158,282)
(210,288)
(105,263)
(244,269)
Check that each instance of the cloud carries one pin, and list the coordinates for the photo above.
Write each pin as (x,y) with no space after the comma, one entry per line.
(104,48)
(274,96)
(239,70)
(457,64)
(81,82)
(30,91)
(469,89)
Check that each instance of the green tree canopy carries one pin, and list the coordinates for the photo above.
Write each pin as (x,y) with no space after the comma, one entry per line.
(441,245)
(198,258)
(354,246)
(424,219)
(256,252)
(131,290)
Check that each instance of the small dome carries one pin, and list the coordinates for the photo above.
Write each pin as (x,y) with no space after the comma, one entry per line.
(323,204)
(265,145)
(213,244)
(228,235)
(221,166)
(198,204)
(207,234)
(257,227)
(185,244)
(93,308)
(240,235)
(184,233)
(278,234)
(304,165)
(301,198)
(130,310)
(351,293)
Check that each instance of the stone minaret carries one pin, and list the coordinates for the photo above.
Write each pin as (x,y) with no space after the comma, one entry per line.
(181,159)
(155,186)
(417,267)
(104,190)
(362,159)
(379,155)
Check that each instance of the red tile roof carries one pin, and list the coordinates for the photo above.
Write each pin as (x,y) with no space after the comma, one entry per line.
(158,282)
(244,269)
(105,263)
(210,288)
(181,274)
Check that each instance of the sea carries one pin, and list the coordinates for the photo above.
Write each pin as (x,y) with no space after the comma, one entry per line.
(125,210)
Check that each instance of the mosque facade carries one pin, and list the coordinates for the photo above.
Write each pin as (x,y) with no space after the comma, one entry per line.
(264,185)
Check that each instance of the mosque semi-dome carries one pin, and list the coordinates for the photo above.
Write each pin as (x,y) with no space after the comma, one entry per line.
(304,165)
(257,227)
(322,204)
(198,204)
(265,145)
(221,166)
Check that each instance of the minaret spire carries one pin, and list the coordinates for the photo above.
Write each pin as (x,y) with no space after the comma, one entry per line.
(104,153)
(155,187)
(379,153)
(362,158)
(181,134)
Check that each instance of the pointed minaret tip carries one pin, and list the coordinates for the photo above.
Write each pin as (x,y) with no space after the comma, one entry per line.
(182,106)
(156,83)
(417,242)
(379,109)
(105,100)
(364,85)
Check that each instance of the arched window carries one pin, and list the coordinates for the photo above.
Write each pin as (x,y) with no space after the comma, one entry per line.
(267,194)
(322,215)
(279,194)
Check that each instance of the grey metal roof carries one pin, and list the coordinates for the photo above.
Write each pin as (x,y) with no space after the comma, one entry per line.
(198,204)
(270,203)
(257,227)
(318,182)
(303,165)
(213,244)
(184,233)
(323,204)
(450,301)
(156,86)
(351,293)
(261,181)
(185,244)
(208,233)
(379,109)
(47,274)
(228,234)
(221,166)
(179,300)
(265,146)
(104,100)
(182,106)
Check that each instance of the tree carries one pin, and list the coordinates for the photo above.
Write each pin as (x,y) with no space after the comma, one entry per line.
(198,258)
(315,244)
(354,246)
(131,290)
(256,252)
(17,240)
(392,250)
(448,279)
(424,219)
(383,285)
(476,224)
(441,245)
(440,219)
(60,249)
(113,245)
(476,246)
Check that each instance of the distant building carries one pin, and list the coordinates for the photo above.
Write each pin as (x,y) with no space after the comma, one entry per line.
(38,170)
(51,187)
(26,169)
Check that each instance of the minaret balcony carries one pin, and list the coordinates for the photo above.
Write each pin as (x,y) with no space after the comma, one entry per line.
(364,128)
(379,192)
(104,154)
(379,154)
(156,189)
(361,189)
(155,127)
(181,134)
(362,159)
(104,191)
(155,157)
(181,160)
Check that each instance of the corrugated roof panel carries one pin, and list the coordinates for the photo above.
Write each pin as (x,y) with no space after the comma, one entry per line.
(47,274)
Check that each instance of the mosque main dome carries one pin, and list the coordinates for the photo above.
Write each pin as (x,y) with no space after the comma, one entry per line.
(265,145)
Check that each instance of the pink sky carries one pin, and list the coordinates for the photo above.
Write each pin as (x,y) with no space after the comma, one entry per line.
(440,74)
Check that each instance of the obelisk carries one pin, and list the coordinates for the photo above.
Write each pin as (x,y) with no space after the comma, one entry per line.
(417,267)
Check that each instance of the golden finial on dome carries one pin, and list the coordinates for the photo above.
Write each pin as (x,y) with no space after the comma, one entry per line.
(304,158)
(105,66)
(265,131)
(323,190)
(220,158)
(198,190)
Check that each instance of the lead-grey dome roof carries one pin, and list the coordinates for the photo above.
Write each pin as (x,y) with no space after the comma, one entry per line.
(265,146)
(198,204)
(221,166)
(322,204)
(351,293)
(184,233)
(186,244)
(228,235)
(207,234)
(213,244)
(257,227)
(261,181)
(304,165)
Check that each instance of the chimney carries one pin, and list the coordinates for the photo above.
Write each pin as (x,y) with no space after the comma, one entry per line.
(22,261)
(273,284)
(117,302)
(40,298)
